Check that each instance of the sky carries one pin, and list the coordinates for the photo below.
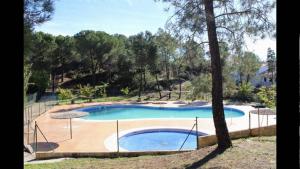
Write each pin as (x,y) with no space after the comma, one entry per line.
(127,17)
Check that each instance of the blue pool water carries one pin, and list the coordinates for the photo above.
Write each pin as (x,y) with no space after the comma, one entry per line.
(158,139)
(119,112)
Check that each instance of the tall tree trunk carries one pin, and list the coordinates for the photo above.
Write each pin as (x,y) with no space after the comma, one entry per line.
(157,86)
(62,75)
(241,78)
(248,79)
(93,78)
(224,141)
(272,77)
(145,83)
(53,81)
(62,69)
(141,82)
(179,89)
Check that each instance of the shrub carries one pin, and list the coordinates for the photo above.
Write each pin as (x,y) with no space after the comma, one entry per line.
(41,79)
(245,92)
(100,91)
(86,91)
(229,89)
(64,94)
(125,90)
(201,87)
(267,96)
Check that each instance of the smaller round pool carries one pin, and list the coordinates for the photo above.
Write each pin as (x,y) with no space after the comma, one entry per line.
(159,139)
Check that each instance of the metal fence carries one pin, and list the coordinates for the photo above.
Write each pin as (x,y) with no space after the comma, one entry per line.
(32,110)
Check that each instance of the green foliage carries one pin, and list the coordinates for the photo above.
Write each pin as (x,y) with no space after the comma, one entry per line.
(245,92)
(271,60)
(229,88)
(201,87)
(100,90)
(125,90)
(267,96)
(40,79)
(246,65)
(27,74)
(64,94)
(86,91)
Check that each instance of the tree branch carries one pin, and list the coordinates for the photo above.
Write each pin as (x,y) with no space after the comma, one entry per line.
(233,13)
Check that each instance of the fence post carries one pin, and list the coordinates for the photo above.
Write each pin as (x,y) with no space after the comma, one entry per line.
(118,137)
(71,127)
(249,123)
(45,106)
(31,112)
(197,133)
(258,124)
(39,108)
(35,129)
(28,131)
(267,119)
(24,112)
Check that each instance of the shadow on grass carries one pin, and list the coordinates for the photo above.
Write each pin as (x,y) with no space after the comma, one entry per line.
(204,160)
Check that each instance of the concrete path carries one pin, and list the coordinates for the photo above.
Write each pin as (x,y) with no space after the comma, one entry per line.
(89,136)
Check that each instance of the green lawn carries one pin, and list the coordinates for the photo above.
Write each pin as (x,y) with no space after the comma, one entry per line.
(245,153)
(105,99)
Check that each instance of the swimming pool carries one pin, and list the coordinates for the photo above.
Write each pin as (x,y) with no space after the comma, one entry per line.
(159,139)
(122,112)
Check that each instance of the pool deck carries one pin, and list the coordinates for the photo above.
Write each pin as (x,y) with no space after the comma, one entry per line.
(95,136)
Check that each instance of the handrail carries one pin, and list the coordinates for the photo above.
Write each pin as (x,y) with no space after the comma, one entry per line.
(187,137)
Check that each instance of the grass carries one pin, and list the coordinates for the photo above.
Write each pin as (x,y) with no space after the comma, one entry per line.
(104,99)
(245,153)
(154,96)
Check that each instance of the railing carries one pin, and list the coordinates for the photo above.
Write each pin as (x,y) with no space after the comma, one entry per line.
(36,129)
(31,112)
(196,124)
(35,109)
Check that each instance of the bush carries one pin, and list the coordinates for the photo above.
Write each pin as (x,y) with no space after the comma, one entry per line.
(86,91)
(64,94)
(125,90)
(40,79)
(245,92)
(201,87)
(267,96)
(100,91)
(229,89)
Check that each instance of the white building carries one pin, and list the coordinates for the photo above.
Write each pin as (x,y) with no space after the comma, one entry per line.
(262,77)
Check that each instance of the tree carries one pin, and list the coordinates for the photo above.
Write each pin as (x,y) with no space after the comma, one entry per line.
(144,51)
(35,12)
(221,20)
(201,86)
(27,74)
(65,52)
(271,60)
(246,66)
(43,57)
(166,49)
(153,64)
(93,47)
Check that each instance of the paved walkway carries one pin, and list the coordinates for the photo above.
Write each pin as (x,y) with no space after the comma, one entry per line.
(28,157)
(90,136)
